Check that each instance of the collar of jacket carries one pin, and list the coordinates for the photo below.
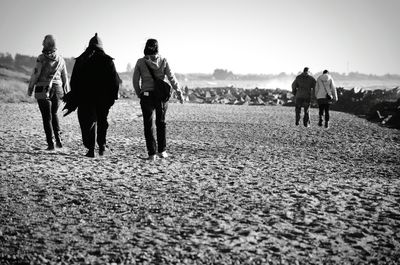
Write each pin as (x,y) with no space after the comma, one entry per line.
(154,57)
(90,51)
(50,55)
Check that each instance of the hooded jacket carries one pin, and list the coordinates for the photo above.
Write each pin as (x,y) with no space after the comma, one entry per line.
(94,79)
(142,79)
(303,85)
(45,70)
(324,86)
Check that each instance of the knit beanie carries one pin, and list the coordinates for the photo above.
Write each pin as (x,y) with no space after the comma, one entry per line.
(96,42)
(49,44)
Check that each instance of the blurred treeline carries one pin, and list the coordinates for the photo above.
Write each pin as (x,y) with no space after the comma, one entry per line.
(25,63)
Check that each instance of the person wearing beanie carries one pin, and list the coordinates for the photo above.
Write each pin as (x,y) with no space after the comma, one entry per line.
(95,42)
(49,76)
(325,92)
(49,44)
(94,89)
(303,88)
(153,64)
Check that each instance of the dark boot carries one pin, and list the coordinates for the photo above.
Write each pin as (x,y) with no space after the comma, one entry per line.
(326,124)
(90,153)
(50,147)
(102,150)
(320,121)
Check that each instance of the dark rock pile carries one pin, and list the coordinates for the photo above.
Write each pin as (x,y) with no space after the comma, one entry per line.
(238,96)
(376,105)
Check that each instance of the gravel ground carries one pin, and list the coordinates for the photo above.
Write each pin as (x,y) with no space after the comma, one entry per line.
(242,185)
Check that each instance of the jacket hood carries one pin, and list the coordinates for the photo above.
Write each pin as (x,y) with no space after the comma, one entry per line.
(153,60)
(325,77)
(51,55)
(152,57)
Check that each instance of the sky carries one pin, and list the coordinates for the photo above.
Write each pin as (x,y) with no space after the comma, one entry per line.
(242,36)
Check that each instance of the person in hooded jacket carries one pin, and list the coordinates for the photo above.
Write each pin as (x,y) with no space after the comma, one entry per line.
(143,84)
(303,90)
(94,89)
(325,86)
(50,72)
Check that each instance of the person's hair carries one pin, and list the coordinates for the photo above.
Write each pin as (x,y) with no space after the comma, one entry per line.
(151,47)
(325,72)
(306,69)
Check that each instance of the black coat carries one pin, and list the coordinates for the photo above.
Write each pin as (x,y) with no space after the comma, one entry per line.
(94,79)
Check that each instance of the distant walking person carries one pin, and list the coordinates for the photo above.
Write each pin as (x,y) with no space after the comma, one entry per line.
(325,92)
(153,64)
(302,88)
(49,80)
(94,89)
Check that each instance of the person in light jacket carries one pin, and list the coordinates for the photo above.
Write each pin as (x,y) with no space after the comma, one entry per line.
(143,84)
(325,86)
(303,88)
(50,71)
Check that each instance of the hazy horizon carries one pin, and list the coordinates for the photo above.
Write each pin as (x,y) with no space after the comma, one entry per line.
(245,37)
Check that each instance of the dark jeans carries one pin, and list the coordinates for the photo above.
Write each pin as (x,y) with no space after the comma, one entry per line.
(323,106)
(149,106)
(93,118)
(305,103)
(48,109)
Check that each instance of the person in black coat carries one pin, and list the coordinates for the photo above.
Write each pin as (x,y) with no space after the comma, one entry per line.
(94,89)
(303,89)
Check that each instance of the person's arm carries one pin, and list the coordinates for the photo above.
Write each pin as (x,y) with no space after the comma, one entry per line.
(334,91)
(136,79)
(294,87)
(316,88)
(116,81)
(76,76)
(34,77)
(64,77)
(314,84)
(174,82)
(171,77)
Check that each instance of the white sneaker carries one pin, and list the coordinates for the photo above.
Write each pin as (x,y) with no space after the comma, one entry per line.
(163,154)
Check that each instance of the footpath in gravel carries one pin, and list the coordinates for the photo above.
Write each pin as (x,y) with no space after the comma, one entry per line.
(242,185)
